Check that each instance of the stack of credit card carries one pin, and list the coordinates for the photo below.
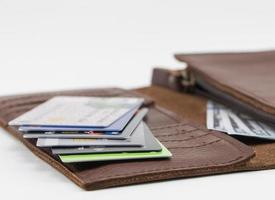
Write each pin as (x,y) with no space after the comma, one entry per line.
(86,129)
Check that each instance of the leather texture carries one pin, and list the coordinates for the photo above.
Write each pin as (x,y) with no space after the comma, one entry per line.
(193,107)
(196,151)
(246,76)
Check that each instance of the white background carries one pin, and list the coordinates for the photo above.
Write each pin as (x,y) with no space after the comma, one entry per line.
(54,44)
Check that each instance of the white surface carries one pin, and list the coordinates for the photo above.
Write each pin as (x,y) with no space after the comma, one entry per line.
(51,45)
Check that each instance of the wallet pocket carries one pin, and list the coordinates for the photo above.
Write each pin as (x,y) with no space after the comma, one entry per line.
(196,151)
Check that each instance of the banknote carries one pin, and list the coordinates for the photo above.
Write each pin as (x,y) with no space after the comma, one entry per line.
(215,119)
(224,119)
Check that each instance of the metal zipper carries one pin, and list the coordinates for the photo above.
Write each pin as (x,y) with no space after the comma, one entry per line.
(188,80)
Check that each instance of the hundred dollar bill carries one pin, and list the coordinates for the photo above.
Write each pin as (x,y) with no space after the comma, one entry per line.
(223,119)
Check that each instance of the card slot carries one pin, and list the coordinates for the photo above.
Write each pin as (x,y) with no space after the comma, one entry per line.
(171,145)
(82,166)
(177,170)
(173,129)
(184,162)
(175,133)
(183,134)
(184,138)
(177,129)
(163,127)
(204,140)
(190,167)
(196,146)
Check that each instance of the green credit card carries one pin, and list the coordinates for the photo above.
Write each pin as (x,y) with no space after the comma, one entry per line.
(164,153)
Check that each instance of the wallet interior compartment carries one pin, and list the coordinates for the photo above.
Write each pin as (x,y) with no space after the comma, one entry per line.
(189,80)
(193,108)
(206,89)
(196,151)
(243,80)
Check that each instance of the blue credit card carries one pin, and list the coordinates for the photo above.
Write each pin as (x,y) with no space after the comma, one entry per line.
(114,127)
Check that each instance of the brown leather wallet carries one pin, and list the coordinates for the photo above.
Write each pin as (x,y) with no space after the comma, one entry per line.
(196,151)
(244,81)
(177,114)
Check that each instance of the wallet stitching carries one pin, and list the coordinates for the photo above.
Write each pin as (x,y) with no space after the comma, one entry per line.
(236,146)
(196,146)
(168,115)
(187,139)
(176,134)
(168,126)
(187,167)
(176,168)
(153,177)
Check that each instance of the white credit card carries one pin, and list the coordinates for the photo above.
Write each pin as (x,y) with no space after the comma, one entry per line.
(127,131)
(78,111)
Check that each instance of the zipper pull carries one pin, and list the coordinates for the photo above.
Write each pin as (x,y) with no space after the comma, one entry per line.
(188,80)
(180,80)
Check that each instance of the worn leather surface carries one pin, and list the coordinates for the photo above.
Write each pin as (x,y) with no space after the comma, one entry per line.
(248,77)
(193,107)
(196,151)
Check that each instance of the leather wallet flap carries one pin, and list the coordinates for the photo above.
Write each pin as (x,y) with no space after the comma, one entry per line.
(243,79)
